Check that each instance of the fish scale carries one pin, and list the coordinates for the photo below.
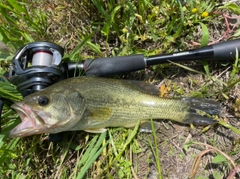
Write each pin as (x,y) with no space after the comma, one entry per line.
(132,107)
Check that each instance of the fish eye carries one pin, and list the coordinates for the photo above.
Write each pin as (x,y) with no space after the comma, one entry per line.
(43,100)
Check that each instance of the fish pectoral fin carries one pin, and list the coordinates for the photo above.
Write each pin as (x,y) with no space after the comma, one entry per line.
(100,130)
(100,114)
(147,126)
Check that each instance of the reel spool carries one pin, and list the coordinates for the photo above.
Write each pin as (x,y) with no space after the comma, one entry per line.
(36,66)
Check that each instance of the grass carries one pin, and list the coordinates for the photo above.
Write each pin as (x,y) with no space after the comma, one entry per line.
(92,29)
(155,152)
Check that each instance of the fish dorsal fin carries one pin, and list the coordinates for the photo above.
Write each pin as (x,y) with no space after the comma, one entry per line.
(100,130)
(144,87)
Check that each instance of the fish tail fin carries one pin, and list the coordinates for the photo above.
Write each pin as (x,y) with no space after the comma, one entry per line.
(202,111)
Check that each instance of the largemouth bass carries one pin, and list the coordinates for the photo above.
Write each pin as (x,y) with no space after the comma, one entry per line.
(94,103)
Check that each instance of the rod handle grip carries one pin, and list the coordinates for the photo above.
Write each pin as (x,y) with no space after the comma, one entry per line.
(114,65)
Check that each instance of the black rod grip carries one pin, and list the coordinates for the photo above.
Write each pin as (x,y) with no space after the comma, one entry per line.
(114,65)
(226,50)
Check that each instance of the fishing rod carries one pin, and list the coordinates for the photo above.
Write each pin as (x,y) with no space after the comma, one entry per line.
(113,65)
(38,65)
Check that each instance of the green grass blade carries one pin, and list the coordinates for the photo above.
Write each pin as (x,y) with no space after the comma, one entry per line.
(234,129)
(235,69)
(94,47)
(78,49)
(186,68)
(156,154)
(8,8)
(182,12)
(204,42)
(205,34)
(6,151)
(92,154)
(16,6)
(9,91)
(110,21)
(87,152)
(100,8)
(129,139)
(232,7)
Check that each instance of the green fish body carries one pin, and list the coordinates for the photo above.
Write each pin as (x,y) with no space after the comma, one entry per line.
(94,103)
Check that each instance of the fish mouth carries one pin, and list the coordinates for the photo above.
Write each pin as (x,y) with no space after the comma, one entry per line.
(28,125)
